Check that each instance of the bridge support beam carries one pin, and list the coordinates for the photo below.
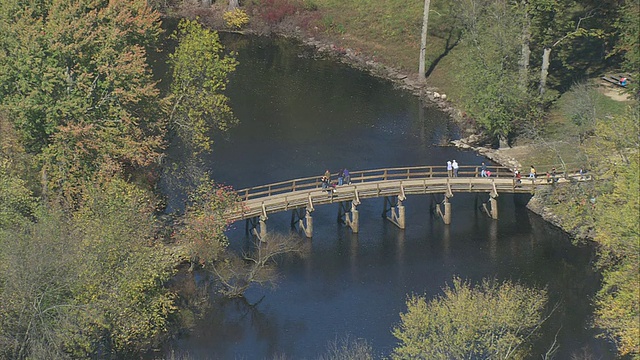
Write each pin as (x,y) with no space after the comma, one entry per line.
(394,210)
(303,219)
(257,226)
(447,211)
(492,211)
(348,215)
(493,203)
(446,215)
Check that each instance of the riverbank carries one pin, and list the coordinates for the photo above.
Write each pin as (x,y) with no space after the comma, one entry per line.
(325,47)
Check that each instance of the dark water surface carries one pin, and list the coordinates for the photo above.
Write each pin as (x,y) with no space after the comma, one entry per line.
(300,116)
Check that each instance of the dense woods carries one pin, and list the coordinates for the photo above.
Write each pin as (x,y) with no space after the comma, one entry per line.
(85,257)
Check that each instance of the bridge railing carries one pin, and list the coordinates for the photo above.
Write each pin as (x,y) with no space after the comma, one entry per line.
(362,176)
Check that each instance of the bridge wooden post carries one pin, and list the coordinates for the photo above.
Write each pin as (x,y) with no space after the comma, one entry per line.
(348,215)
(447,211)
(446,216)
(261,232)
(401,215)
(303,222)
(494,208)
(447,205)
(354,222)
(492,211)
(257,226)
(395,208)
(493,202)
(308,228)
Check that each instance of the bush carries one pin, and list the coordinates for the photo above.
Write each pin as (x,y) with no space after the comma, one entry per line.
(491,320)
(274,11)
(236,19)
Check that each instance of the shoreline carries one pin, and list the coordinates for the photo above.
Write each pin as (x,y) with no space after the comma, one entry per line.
(429,96)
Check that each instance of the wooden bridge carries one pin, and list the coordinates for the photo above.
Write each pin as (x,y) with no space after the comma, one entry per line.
(300,196)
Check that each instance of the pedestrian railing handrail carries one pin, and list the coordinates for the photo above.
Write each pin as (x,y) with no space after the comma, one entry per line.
(362,176)
(308,192)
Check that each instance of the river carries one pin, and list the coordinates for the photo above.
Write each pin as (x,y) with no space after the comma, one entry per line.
(299,116)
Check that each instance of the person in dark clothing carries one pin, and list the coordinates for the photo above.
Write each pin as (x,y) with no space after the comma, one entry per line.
(346,176)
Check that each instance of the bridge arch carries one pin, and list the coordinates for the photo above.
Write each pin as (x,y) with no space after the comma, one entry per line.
(301,196)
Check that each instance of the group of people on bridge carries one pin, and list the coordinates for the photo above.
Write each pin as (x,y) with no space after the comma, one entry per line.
(452,168)
(343,178)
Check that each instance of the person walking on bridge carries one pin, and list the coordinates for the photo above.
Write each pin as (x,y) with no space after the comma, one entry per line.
(455,167)
(532,172)
(326,179)
(449,169)
(346,176)
(483,171)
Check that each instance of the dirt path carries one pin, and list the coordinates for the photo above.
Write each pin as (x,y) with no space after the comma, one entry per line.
(614,92)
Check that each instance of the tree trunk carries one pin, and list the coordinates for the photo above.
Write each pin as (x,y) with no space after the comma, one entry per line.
(423,42)
(545,69)
(233,4)
(526,50)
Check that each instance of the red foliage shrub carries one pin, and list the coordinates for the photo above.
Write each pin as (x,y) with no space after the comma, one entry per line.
(274,11)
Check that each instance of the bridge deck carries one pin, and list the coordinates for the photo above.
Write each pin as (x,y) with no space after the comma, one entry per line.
(289,195)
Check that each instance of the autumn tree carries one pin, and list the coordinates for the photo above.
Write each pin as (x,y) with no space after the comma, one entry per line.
(86,284)
(616,208)
(606,210)
(491,320)
(200,71)
(76,85)
(201,232)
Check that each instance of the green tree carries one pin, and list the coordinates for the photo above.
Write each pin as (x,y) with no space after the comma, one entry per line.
(121,274)
(607,211)
(617,205)
(17,203)
(200,76)
(87,284)
(490,68)
(484,322)
(628,44)
(35,288)
(75,82)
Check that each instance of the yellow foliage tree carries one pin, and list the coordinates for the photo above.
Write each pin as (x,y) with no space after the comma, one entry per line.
(617,209)
(236,18)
